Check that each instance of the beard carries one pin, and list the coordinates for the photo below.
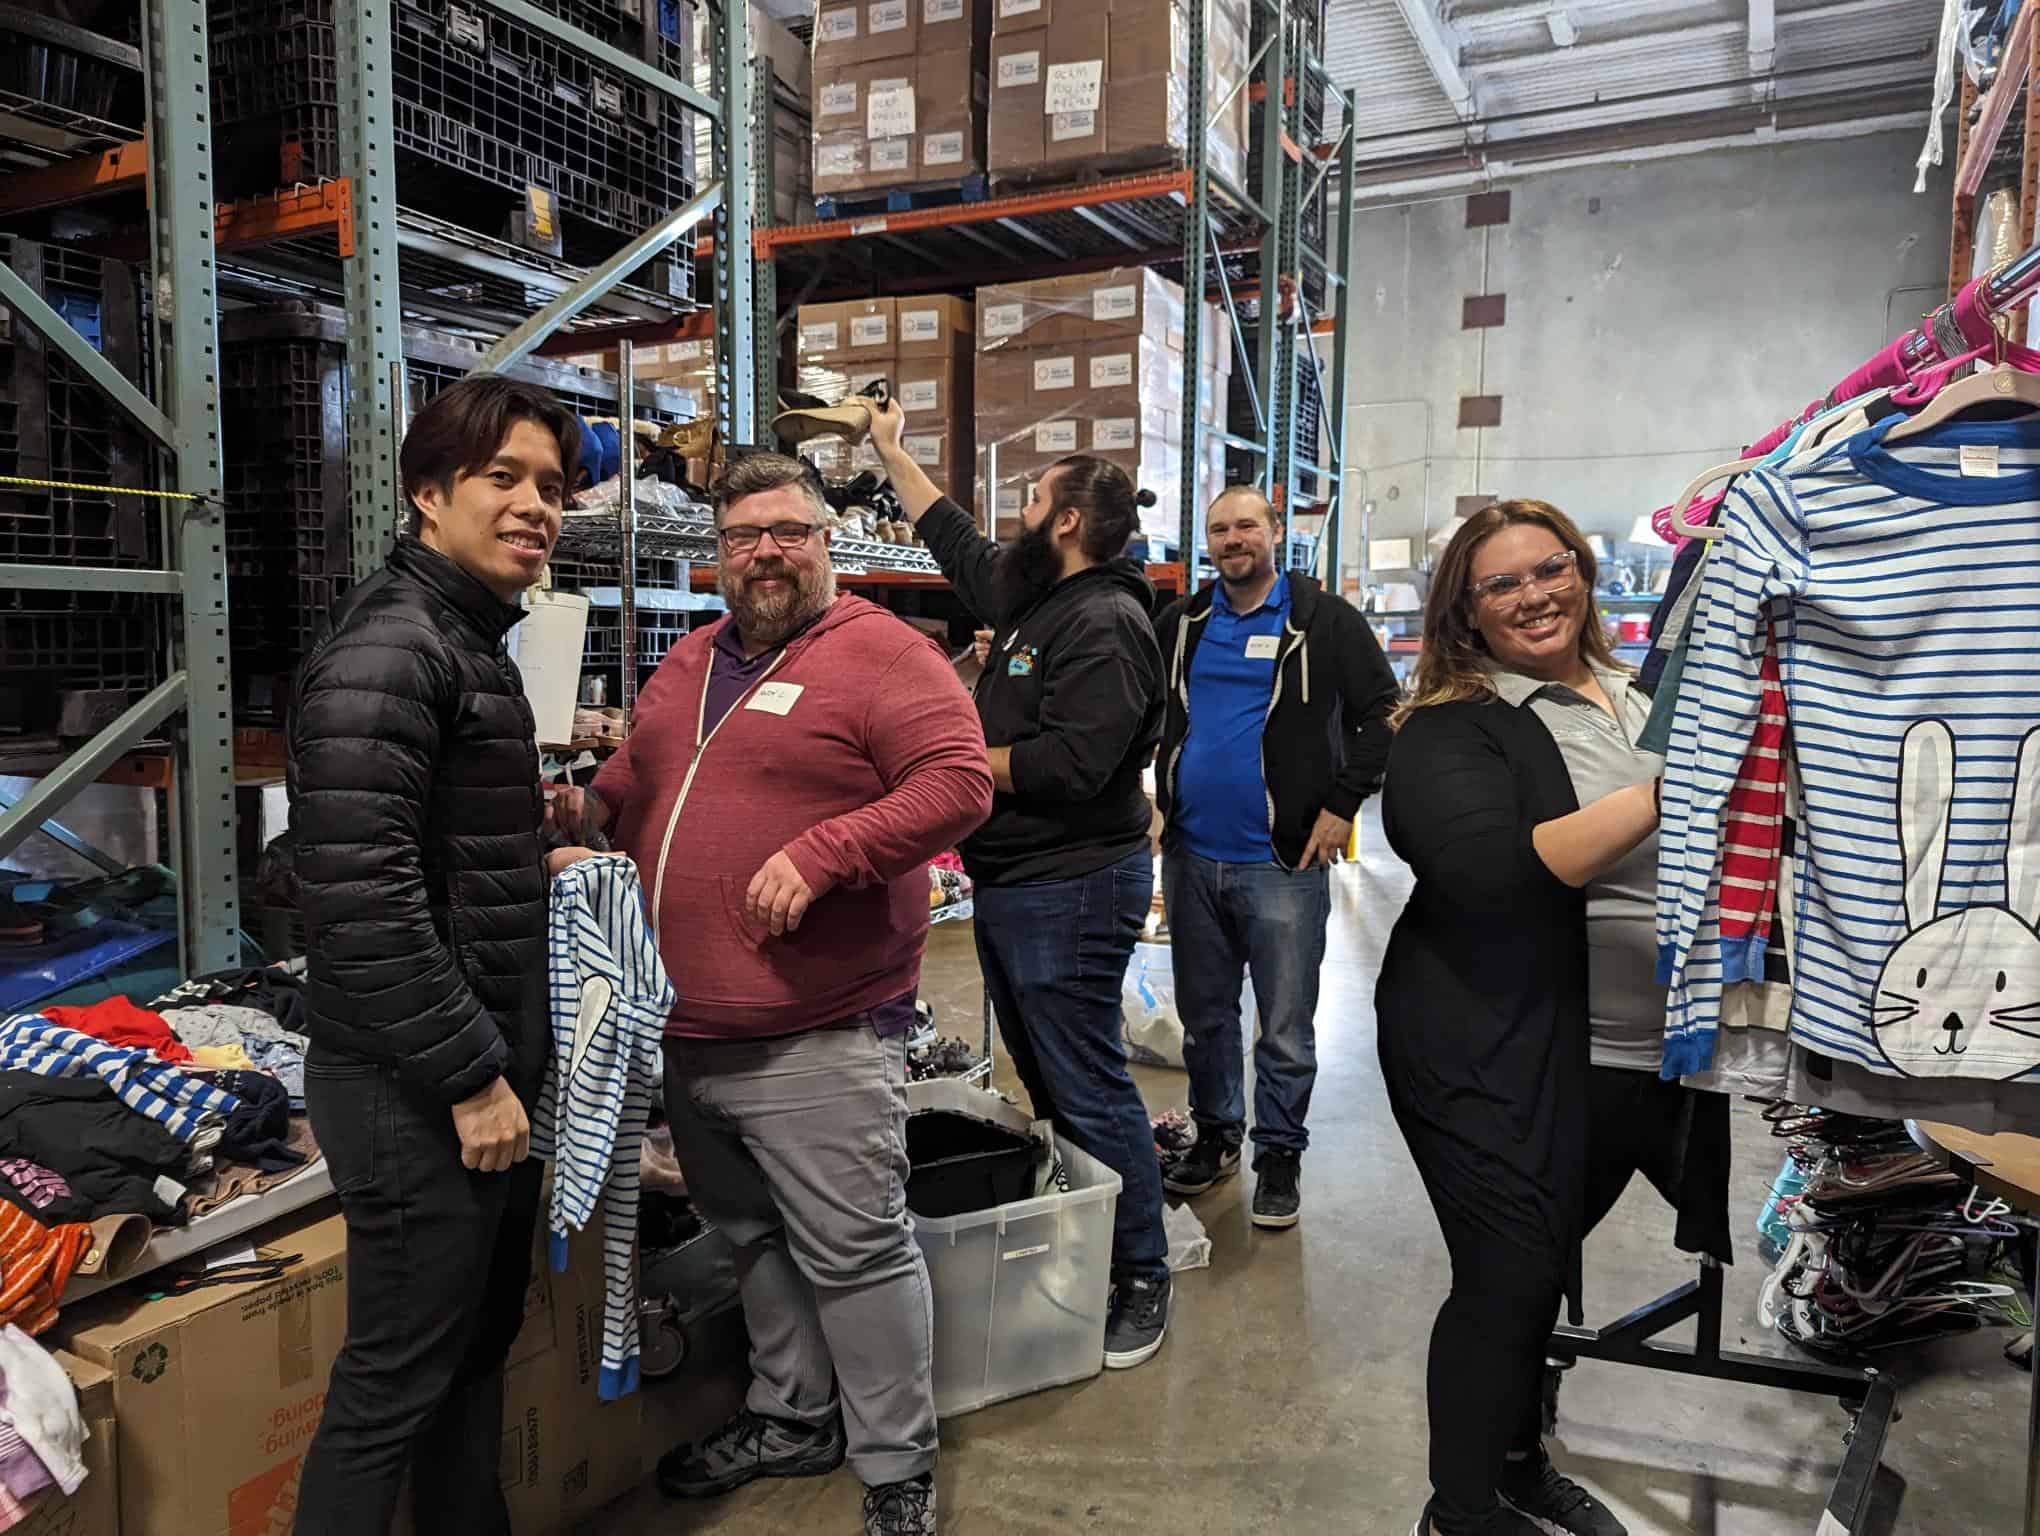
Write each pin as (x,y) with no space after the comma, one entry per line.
(768,618)
(1031,566)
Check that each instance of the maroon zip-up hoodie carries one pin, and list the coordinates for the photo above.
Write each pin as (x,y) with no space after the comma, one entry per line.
(860,754)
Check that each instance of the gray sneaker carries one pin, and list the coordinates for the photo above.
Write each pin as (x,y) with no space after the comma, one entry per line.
(1136,1322)
(750,1446)
(901,1509)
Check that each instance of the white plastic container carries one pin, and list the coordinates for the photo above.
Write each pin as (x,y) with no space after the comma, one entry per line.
(1020,1290)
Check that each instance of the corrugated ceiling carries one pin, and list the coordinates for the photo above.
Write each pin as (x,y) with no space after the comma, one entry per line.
(1558,67)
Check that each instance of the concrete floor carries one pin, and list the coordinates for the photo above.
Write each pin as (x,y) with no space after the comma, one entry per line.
(1289,1397)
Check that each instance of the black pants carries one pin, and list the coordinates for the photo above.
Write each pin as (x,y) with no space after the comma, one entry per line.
(438,1259)
(1489,1343)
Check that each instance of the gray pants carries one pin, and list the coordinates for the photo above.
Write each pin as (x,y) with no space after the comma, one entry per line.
(797,1149)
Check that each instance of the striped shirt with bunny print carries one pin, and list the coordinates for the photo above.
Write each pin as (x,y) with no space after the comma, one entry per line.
(1903,584)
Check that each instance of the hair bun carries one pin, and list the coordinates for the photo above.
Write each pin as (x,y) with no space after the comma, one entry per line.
(1144,498)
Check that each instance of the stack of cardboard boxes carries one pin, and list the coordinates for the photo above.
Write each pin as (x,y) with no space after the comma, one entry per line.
(686,366)
(923,349)
(1094,364)
(899,93)
(1099,87)
(215,1396)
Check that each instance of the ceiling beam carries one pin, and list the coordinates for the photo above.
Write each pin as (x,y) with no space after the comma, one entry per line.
(1440,46)
(1763,35)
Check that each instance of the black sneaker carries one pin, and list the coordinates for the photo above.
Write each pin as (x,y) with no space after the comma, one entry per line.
(1210,1158)
(901,1509)
(750,1446)
(1137,1322)
(1553,1502)
(1278,1197)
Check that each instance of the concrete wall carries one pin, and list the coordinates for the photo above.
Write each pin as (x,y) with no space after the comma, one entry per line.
(1660,315)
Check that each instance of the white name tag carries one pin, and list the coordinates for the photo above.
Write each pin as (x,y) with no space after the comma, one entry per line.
(775,698)
(1263,647)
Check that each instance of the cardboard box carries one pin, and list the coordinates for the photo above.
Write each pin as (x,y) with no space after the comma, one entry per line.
(1074,84)
(863,32)
(934,389)
(209,1451)
(201,1450)
(869,328)
(1022,15)
(1016,131)
(94,1510)
(824,330)
(949,115)
(948,25)
(940,326)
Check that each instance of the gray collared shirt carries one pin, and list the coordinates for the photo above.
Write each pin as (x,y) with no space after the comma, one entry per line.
(1625,1004)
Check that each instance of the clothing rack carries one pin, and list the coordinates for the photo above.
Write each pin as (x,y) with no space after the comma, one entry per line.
(1963,325)
(1868,1398)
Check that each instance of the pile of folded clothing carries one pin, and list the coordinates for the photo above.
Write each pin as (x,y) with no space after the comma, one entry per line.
(115,1118)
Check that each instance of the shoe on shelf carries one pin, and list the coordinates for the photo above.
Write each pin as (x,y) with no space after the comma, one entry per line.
(901,1509)
(1553,1502)
(748,1447)
(1278,1193)
(850,421)
(1211,1157)
(1136,1321)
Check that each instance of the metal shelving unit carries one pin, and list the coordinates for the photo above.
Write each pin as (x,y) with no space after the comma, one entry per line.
(348,238)
(1246,248)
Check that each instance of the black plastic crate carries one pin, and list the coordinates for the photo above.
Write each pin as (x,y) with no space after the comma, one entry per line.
(485,108)
(55,425)
(962,1164)
(289,529)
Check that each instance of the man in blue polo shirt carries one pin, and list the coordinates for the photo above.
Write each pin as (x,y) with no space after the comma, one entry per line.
(1277,729)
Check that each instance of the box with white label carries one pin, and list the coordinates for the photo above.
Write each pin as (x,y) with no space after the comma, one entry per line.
(853,32)
(1084,90)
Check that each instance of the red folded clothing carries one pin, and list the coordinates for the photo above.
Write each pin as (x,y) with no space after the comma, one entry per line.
(118,1021)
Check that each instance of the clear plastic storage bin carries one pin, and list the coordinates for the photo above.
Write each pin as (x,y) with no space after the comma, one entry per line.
(1020,1290)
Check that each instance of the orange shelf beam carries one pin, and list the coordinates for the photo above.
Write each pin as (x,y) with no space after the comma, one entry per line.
(124,168)
(1095,194)
(287,215)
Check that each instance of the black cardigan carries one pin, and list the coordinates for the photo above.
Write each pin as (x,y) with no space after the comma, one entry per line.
(1482,1000)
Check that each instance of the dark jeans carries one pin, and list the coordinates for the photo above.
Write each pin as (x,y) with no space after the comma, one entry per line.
(438,1259)
(1268,923)
(1054,957)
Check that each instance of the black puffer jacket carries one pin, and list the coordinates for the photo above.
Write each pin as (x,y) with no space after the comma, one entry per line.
(415,800)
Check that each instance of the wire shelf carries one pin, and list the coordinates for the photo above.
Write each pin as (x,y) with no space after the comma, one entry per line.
(594,536)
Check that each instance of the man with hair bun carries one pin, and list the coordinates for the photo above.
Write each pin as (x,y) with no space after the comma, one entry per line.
(1071,701)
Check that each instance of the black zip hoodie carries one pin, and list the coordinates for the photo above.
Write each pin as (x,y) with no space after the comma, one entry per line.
(1074,687)
(1324,746)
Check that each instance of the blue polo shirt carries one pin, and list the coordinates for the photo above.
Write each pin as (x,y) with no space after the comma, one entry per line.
(1221,805)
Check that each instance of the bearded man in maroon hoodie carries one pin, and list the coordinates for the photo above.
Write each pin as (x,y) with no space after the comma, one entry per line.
(790,772)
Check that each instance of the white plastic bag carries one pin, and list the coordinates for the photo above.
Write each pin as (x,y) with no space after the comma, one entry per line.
(1147,1004)
(1189,1243)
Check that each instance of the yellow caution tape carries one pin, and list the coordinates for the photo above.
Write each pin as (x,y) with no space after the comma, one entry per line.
(101,490)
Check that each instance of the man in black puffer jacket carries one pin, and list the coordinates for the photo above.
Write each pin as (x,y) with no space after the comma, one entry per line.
(415,801)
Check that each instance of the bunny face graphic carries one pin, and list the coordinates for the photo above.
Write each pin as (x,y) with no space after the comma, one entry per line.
(1959,995)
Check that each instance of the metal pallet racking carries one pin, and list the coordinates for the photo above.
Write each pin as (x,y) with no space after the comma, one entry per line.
(348,235)
(1248,248)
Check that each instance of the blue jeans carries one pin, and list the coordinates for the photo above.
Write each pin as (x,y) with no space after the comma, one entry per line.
(1269,923)
(1054,956)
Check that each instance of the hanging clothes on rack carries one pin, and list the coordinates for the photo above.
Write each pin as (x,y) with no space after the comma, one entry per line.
(1900,585)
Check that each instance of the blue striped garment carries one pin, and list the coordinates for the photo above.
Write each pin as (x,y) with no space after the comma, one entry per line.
(1907,602)
(610,1002)
(182,1104)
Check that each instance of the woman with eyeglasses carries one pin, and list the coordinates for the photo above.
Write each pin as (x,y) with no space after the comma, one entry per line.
(1520,1021)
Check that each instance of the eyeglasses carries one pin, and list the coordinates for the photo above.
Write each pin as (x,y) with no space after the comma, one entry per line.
(1553,576)
(785,536)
